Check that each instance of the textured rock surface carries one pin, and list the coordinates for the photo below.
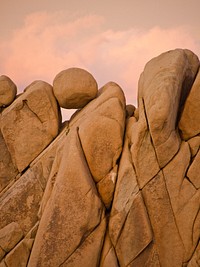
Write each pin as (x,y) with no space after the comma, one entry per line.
(30,123)
(118,187)
(8,91)
(74,88)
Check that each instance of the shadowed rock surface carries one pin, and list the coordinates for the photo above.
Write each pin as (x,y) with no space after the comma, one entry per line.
(114,186)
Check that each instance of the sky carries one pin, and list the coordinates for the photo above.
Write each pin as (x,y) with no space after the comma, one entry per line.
(111,39)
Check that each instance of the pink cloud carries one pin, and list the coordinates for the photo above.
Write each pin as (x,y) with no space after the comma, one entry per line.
(47,44)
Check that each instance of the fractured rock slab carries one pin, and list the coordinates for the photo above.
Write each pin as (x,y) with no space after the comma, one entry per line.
(30,123)
(163,86)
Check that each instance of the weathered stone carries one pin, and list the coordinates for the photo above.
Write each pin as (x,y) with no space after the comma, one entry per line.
(130,110)
(10,235)
(88,253)
(72,212)
(142,172)
(166,234)
(110,91)
(125,192)
(101,137)
(148,258)
(188,221)
(2,264)
(194,144)
(30,123)
(195,260)
(136,233)
(2,253)
(163,86)
(184,199)
(8,91)
(74,88)
(7,169)
(189,123)
(175,178)
(108,256)
(18,256)
(106,187)
(21,202)
(194,171)
(142,150)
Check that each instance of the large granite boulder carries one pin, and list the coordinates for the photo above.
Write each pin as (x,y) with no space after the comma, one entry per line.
(118,186)
(74,88)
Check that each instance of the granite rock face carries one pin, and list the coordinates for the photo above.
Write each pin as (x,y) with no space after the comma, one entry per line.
(115,186)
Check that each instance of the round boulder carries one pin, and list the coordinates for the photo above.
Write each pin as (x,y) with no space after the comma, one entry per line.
(74,88)
(8,91)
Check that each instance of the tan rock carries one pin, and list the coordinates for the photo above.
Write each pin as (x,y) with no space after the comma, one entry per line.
(188,221)
(165,82)
(189,123)
(136,233)
(18,256)
(194,171)
(194,144)
(102,140)
(7,169)
(106,187)
(110,91)
(30,123)
(88,253)
(10,235)
(184,199)
(166,233)
(108,256)
(149,258)
(125,193)
(21,202)
(142,150)
(8,91)
(73,210)
(74,88)
(195,260)
(174,174)
(2,264)
(130,110)
(2,254)
(101,136)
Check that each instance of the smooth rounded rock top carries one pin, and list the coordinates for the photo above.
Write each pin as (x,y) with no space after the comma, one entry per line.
(74,88)
(8,91)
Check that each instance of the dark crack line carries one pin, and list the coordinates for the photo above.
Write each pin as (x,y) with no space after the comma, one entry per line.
(195,250)
(25,102)
(194,224)
(188,179)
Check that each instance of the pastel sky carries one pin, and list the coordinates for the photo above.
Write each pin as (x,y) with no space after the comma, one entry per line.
(111,39)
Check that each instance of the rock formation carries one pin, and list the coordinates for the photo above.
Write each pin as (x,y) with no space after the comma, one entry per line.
(115,186)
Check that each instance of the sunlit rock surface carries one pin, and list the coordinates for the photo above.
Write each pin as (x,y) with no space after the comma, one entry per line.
(114,186)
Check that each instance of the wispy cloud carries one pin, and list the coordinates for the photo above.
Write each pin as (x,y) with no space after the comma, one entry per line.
(47,43)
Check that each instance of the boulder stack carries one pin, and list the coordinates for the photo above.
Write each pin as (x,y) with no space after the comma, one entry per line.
(115,186)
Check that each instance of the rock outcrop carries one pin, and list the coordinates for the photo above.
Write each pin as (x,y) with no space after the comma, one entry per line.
(115,186)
